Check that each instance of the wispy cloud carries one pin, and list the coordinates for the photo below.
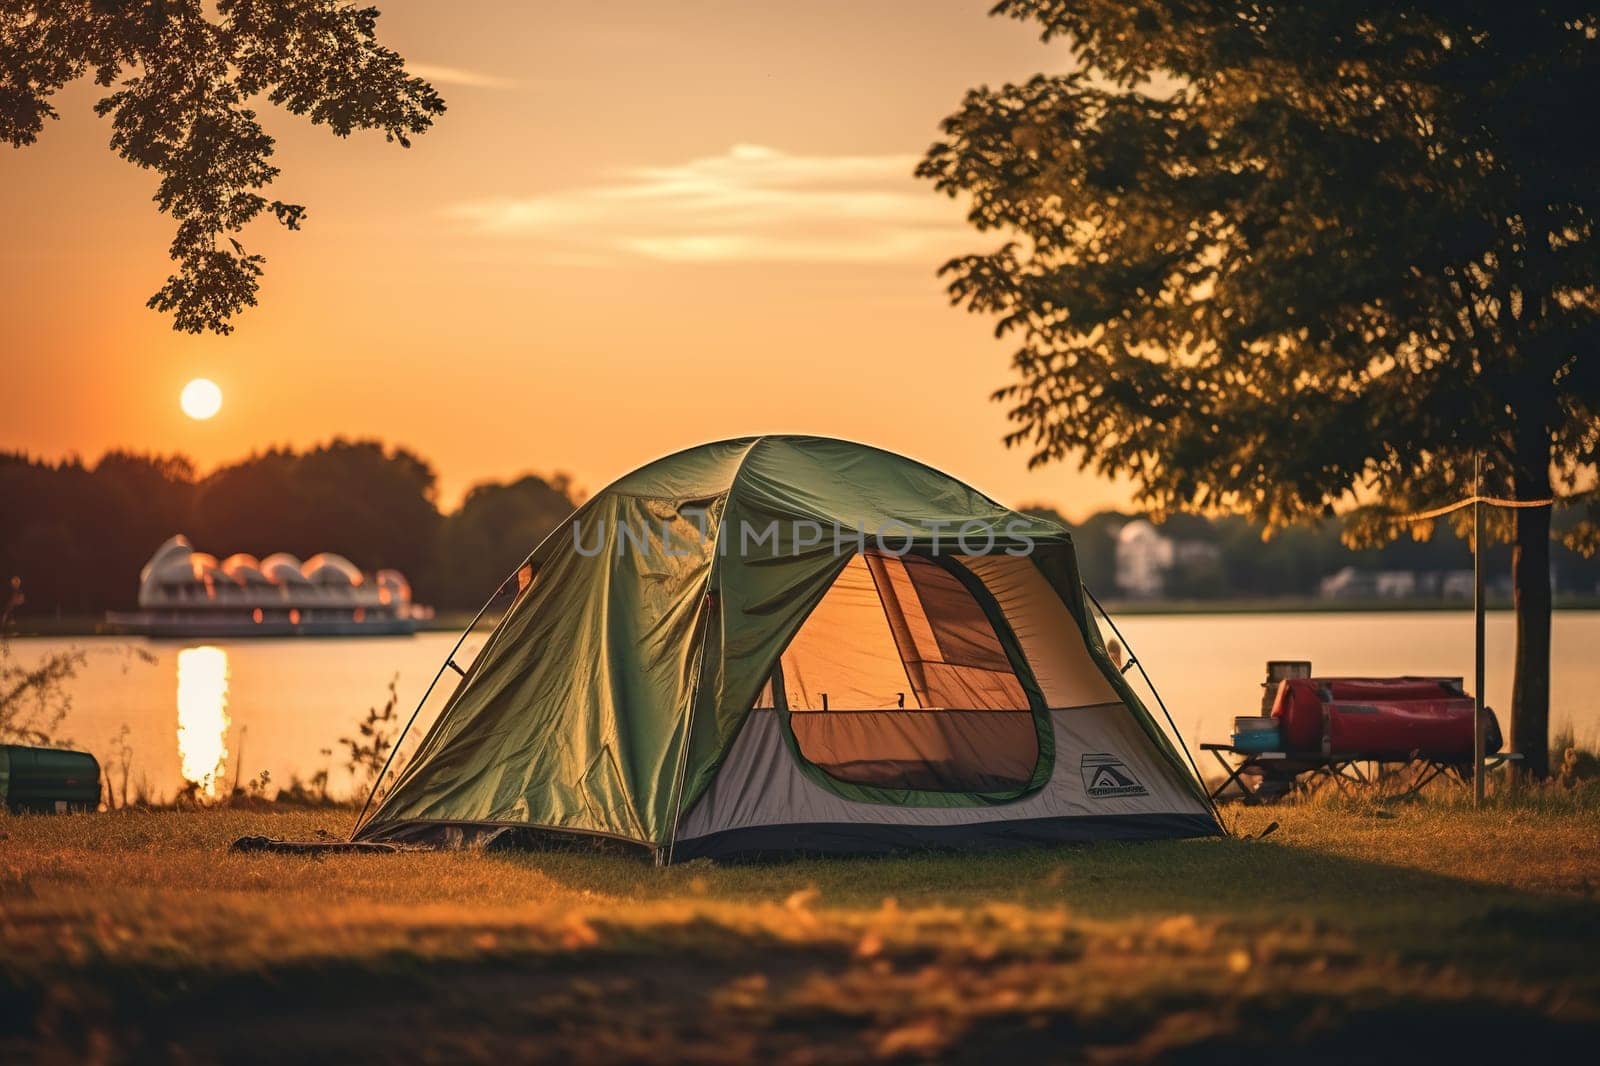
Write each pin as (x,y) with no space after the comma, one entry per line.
(751,203)
(471,79)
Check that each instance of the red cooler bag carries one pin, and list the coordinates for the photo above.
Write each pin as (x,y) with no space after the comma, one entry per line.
(1380,716)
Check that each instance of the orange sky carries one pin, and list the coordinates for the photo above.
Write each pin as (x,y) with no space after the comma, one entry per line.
(638,227)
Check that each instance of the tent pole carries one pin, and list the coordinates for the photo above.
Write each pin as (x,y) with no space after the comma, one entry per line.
(449,662)
(1136,661)
(708,602)
(1477,631)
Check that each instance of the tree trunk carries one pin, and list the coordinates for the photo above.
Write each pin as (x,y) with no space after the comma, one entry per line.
(1530,576)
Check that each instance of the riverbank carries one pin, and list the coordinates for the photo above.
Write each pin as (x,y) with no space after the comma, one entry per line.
(456,621)
(24,626)
(1396,930)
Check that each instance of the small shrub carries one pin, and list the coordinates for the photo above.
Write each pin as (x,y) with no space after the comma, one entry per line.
(369,750)
(311,793)
(1575,764)
(34,700)
(122,764)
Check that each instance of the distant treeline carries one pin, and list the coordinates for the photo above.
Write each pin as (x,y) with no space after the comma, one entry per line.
(1294,561)
(77,534)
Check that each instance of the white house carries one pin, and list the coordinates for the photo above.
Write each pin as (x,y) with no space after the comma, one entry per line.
(1144,556)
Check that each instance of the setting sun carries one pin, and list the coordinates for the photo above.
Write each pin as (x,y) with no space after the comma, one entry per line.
(201,399)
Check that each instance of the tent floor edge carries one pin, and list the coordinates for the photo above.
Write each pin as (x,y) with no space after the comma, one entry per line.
(448,835)
(866,838)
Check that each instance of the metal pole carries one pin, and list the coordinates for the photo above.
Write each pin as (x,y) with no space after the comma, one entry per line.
(1477,626)
(1134,660)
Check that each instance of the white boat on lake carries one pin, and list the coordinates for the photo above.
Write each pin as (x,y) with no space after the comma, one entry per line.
(187,593)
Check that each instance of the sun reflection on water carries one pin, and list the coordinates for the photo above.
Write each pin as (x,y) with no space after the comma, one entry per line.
(203,716)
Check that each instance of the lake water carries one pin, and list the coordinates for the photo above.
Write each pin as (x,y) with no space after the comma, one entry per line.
(214,713)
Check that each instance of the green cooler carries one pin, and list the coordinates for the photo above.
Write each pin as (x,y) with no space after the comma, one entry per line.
(48,780)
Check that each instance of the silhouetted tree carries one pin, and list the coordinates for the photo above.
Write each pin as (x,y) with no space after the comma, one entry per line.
(44,508)
(181,80)
(495,529)
(78,535)
(372,505)
(142,500)
(1270,258)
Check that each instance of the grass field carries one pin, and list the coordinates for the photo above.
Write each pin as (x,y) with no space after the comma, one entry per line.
(1352,933)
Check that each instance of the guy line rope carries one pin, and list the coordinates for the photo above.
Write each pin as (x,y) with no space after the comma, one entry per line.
(1492,501)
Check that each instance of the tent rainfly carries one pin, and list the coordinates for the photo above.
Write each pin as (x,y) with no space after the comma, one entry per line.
(790,644)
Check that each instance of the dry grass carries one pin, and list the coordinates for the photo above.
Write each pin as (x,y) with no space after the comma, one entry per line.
(1354,927)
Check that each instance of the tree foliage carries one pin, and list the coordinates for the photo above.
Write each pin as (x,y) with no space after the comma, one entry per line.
(1274,257)
(180,84)
(375,505)
(78,534)
(495,529)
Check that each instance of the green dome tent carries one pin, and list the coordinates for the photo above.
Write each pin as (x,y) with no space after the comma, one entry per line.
(786,643)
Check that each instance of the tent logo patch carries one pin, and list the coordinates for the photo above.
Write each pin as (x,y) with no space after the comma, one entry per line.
(1108,777)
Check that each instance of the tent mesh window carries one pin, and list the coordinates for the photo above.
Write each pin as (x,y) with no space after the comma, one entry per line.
(899,680)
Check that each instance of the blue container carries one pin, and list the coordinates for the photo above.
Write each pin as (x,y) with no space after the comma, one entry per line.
(1257,740)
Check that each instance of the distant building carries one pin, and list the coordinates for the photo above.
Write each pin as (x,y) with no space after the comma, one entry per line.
(1147,559)
(1455,584)
(1349,583)
(187,592)
(179,576)
(1395,584)
(1197,554)
(1144,555)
